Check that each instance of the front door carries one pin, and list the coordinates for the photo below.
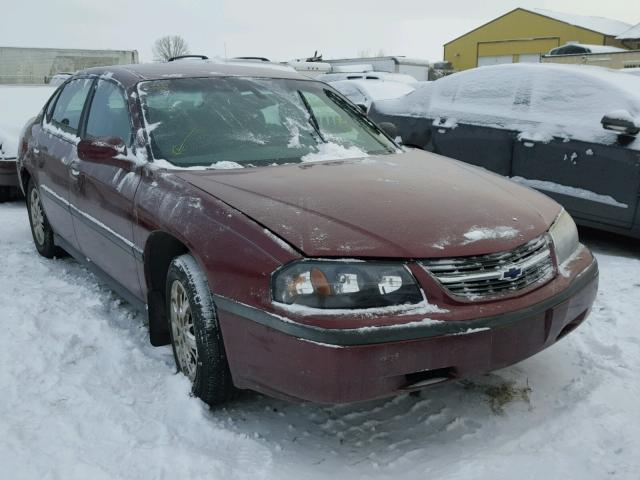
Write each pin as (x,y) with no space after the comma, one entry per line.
(102,194)
(56,138)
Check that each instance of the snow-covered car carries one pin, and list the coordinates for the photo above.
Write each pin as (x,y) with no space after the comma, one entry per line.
(18,104)
(283,243)
(364,92)
(370,75)
(568,131)
(581,49)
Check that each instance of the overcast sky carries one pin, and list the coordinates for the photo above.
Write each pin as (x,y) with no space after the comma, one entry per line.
(278,29)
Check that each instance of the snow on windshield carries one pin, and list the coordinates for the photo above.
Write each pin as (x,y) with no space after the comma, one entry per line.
(18,104)
(232,122)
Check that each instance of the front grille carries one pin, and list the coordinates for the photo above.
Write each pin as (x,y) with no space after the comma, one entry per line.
(496,274)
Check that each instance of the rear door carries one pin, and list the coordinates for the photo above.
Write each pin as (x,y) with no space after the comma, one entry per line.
(102,193)
(596,181)
(56,150)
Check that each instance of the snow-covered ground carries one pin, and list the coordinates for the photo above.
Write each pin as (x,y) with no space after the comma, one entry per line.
(84,396)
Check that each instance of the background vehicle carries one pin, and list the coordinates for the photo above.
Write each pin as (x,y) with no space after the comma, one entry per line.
(19,103)
(568,131)
(367,75)
(578,48)
(364,92)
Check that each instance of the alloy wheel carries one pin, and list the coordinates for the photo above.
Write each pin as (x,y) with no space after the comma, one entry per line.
(37,216)
(182,329)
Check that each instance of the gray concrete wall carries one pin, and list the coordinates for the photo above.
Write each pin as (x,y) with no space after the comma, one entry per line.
(38,65)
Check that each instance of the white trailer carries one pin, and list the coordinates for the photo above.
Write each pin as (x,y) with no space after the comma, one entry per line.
(416,67)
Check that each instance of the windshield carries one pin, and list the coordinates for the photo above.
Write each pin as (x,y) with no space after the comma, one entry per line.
(253,122)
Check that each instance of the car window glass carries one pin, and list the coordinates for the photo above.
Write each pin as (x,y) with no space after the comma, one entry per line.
(51,106)
(68,108)
(108,115)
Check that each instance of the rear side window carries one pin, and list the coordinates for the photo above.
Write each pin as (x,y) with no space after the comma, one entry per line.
(68,108)
(108,115)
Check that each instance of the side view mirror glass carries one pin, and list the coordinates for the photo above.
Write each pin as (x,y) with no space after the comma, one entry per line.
(622,122)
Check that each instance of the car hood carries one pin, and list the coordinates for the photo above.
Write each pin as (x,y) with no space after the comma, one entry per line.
(410,205)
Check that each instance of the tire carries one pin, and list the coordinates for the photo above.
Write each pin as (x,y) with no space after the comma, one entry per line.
(196,339)
(41,230)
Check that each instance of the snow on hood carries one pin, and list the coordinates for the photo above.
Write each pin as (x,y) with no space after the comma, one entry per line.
(410,205)
(541,101)
(18,104)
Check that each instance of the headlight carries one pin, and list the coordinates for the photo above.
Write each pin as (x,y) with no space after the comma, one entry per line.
(564,234)
(345,284)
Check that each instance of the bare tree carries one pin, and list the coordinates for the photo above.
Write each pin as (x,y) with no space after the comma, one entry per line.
(169,46)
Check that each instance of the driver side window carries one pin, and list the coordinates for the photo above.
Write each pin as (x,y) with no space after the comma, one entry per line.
(109,115)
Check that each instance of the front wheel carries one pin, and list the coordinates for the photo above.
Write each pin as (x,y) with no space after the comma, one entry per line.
(195,333)
(40,228)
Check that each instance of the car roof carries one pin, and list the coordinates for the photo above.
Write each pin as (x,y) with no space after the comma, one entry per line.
(132,74)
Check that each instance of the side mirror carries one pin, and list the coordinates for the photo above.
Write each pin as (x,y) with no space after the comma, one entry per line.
(389,128)
(104,150)
(362,107)
(622,122)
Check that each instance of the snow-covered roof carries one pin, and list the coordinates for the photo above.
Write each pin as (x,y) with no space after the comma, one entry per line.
(632,34)
(607,26)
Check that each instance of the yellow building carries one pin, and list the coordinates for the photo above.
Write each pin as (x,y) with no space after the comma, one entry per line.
(524,35)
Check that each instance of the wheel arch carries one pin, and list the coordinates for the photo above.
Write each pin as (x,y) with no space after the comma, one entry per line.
(160,249)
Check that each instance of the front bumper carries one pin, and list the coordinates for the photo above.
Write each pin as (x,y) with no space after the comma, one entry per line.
(291,360)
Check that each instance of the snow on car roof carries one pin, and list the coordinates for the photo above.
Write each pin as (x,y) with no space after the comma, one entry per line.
(604,25)
(543,100)
(18,104)
(632,34)
(377,89)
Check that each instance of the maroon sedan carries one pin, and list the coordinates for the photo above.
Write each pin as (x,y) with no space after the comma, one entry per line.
(282,242)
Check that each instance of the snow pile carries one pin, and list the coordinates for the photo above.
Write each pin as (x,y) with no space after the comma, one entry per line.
(223,165)
(18,104)
(570,191)
(84,396)
(541,100)
(475,234)
(333,151)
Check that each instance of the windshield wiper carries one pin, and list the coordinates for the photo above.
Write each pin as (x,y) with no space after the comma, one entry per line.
(360,117)
(312,118)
